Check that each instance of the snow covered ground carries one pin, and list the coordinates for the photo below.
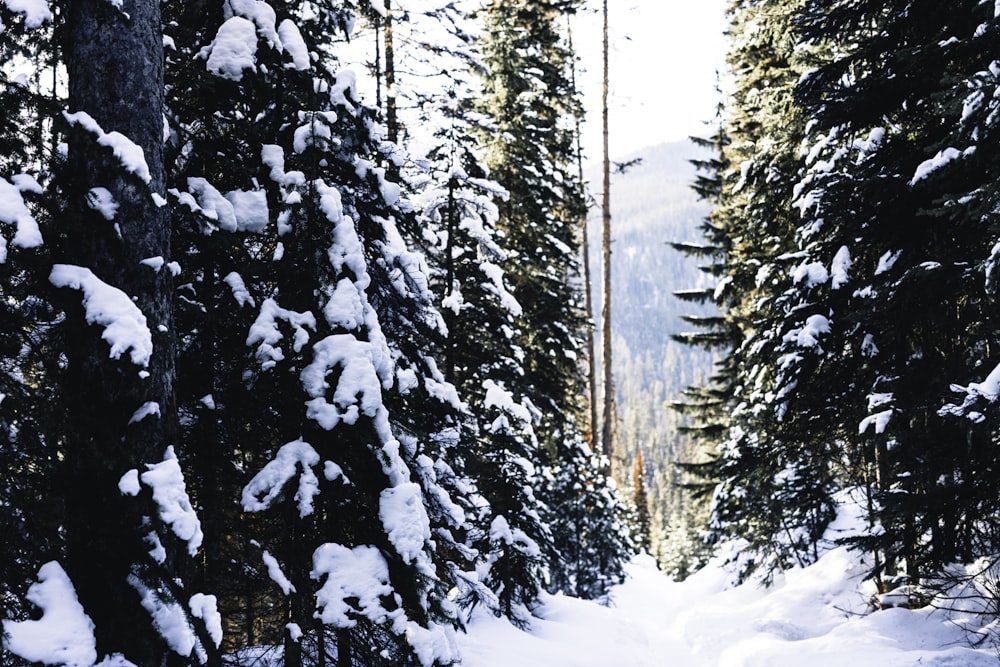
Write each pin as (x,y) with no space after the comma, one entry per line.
(817,616)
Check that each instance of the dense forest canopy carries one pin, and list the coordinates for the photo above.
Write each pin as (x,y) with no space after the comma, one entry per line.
(853,245)
(290,374)
(294,355)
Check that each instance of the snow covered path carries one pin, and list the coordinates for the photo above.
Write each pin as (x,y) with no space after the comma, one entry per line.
(815,616)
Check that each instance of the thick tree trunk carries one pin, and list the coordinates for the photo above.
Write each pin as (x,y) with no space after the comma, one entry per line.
(114,60)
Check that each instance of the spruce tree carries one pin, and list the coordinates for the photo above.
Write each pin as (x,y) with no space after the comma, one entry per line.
(305,255)
(772,473)
(94,312)
(895,182)
(531,152)
(30,414)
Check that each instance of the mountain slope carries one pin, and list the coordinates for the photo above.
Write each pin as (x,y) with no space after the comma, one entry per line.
(652,205)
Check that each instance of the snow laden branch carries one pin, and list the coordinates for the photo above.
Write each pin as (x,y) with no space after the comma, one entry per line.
(129,154)
(64,635)
(266,486)
(124,324)
(977,395)
(235,211)
(234,49)
(13,211)
(355,583)
(35,12)
(173,621)
(170,494)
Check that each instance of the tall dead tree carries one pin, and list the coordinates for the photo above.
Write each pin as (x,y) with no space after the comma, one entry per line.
(391,120)
(608,417)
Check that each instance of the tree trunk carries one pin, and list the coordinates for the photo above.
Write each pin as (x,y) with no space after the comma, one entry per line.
(450,317)
(588,297)
(607,425)
(391,120)
(114,60)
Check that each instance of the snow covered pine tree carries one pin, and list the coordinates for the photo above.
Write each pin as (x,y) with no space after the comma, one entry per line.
(127,522)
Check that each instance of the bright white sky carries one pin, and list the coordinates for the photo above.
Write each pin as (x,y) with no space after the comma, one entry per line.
(664,55)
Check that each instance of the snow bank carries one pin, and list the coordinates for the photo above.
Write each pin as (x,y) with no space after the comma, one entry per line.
(817,616)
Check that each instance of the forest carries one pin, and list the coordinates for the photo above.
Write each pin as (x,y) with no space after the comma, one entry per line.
(853,241)
(297,341)
(293,331)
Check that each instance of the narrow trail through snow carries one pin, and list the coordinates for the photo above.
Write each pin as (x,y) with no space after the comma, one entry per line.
(815,616)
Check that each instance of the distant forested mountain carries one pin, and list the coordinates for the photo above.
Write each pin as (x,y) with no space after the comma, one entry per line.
(653,205)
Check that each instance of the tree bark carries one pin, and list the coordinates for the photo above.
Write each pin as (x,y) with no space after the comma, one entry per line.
(607,425)
(114,61)
(391,119)
(588,297)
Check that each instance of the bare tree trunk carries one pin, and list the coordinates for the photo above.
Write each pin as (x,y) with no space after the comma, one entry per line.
(378,65)
(449,262)
(607,425)
(391,120)
(588,298)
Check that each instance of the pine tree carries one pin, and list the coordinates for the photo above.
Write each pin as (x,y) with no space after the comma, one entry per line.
(376,488)
(102,318)
(913,312)
(528,94)
(307,243)
(857,277)
(768,468)
(30,414)
(482,360)
(530,153)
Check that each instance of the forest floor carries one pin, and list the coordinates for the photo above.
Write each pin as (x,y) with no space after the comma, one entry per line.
(817,616)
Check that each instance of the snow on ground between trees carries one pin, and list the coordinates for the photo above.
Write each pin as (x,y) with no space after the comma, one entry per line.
(816,616)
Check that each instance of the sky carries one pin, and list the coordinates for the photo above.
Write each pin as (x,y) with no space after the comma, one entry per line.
(664,56)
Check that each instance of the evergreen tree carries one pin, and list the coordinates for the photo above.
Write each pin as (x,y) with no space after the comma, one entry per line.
(227,316)
(704,407)
(531,154)
(481,352)
(481,358)
(31,418)
(902,227)
(326,265)
(528,93)
(773,474)
(858,280)
(125,523)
